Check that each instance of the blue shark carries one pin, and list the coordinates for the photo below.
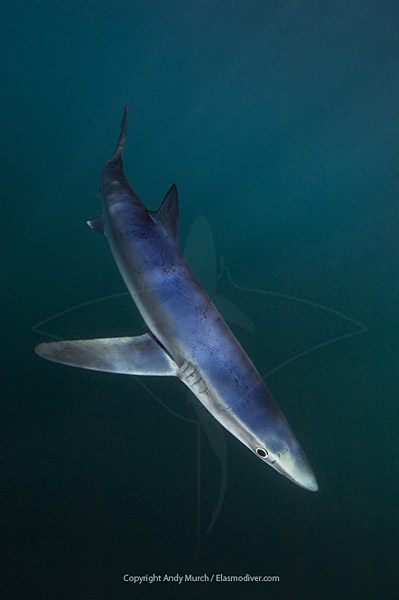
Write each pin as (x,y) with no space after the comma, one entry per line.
(187,337)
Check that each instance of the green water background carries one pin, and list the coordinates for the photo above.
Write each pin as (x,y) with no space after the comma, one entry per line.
(279,123)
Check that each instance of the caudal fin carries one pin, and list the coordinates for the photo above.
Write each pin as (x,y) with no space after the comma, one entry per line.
(122,138)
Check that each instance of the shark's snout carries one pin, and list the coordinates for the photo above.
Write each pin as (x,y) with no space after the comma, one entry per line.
(296,467)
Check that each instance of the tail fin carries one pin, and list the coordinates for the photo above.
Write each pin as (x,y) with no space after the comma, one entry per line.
(122,138)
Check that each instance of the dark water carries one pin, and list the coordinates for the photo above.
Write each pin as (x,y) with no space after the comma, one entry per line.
(279,123)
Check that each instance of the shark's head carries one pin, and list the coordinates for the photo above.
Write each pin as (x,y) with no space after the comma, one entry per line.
(285,455)
(254,418)
(262,427)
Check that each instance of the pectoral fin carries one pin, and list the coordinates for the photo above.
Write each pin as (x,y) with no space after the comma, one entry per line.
(140,355)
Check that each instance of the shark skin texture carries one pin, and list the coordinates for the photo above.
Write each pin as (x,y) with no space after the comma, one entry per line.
(187,337)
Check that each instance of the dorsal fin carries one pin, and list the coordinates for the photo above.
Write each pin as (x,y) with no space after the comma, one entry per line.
(168,214)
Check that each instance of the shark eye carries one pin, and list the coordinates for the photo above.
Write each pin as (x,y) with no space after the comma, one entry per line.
(261,452)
